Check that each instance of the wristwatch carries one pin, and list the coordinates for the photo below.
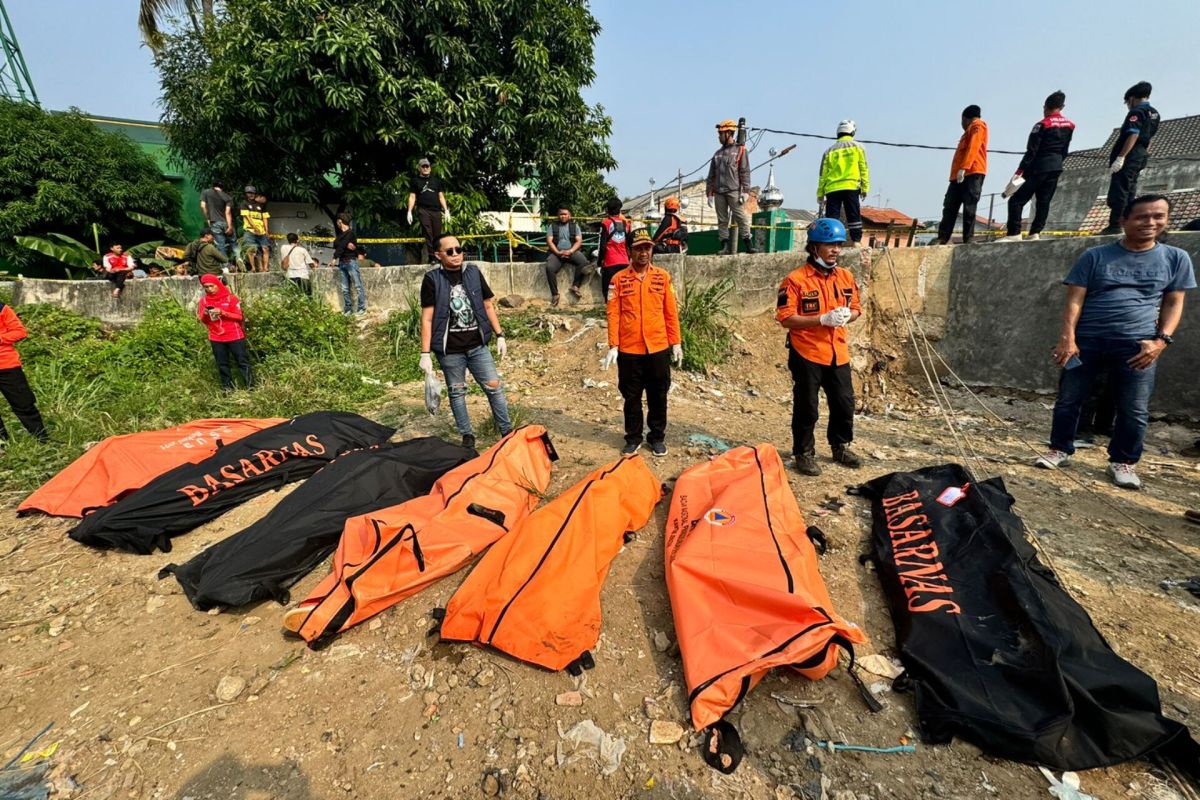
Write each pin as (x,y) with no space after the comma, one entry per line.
(1165,338)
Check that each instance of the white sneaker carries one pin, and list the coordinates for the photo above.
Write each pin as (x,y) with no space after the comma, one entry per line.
(1016,238)
(1053,459)
(1033,237)
(1124,476)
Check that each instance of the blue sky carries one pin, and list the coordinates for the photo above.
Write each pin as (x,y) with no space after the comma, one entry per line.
(668,70)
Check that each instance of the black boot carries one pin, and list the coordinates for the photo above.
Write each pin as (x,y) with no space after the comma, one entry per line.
(725,250)
(844,456)
(806,464)
(748,245)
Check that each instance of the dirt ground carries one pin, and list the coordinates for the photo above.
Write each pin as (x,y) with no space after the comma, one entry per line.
(128,672)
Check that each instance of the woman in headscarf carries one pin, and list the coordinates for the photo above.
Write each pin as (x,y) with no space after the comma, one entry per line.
(221,311)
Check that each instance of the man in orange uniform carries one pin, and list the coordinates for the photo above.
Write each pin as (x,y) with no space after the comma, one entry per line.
(643,340)
(816,303)
(13,384)
(967,172)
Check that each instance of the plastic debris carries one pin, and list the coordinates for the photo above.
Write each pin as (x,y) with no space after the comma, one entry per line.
(433,393)
(879,665)
(1067,788)
(711,442)
(588,740)
(864,748)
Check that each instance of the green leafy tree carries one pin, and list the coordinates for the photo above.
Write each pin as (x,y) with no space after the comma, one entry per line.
(584,194)
(60,173)
(333,101)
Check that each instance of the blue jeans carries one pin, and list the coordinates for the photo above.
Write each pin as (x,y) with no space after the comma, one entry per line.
(483,368)
(349,271)
(224,243)
(1131,390)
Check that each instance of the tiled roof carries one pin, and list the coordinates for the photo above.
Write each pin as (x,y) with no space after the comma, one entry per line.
(885,216)
(801,215)
(1175,137)
(1185,207)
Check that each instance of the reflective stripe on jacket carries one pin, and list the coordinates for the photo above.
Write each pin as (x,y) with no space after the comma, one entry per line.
(642,314)
(843,167)
(809,292)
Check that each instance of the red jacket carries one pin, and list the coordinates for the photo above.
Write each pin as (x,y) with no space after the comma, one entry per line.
(228,326)
(11,332)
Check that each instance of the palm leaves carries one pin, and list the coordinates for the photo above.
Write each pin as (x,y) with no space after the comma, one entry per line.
(152,14)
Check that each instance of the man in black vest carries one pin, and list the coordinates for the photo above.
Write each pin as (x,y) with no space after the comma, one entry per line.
(458,320)
(1130,152)
(564,240)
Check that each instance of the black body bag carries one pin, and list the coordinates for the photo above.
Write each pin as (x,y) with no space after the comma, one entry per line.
(193,494)
(263,560)
(997,652)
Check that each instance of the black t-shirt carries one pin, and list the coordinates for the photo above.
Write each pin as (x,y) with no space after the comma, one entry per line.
(463,329)
(215,203)
(427,191)
(342,242)
(1142,120)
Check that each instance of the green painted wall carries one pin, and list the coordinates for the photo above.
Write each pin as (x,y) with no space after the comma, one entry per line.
(149,137)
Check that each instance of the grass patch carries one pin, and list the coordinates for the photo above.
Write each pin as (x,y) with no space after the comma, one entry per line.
(92,382)
(704,322)
(526,325)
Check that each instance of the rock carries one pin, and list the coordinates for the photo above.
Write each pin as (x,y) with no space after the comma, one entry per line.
(569,699)
(652,709)
(58,625)
(662,642)
(154,602)
(512,301)
(664,731)
(485,677)
(491,783)
(375,624)
(230,687)
(508,718)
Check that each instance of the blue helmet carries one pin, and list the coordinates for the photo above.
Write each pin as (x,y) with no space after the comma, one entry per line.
(825,230)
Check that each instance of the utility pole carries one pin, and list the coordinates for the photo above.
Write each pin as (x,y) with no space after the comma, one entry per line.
(15,83)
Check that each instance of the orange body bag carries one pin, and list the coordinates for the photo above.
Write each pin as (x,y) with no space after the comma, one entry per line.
(742,575)
(388,555)
(536,594)
(120,465)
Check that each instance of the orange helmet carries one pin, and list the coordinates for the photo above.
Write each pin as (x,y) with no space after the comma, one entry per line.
(671,203)
(726,125)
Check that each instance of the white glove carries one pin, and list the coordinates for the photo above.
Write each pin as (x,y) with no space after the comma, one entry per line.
(742,199)
(609,359)
(410,216)
(501,347)
(1117,165)
(837,318)
(711,200)
(1014,183)
(961,176)
(677,354)
(426,363)
(446,215)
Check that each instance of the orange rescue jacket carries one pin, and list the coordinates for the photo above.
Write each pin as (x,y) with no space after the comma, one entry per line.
(809,291)
(388,555)
(11,332)
(971,153)
(742,574)
(642,314)
(536,594)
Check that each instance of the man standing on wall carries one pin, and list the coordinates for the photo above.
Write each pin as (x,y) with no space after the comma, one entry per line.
(1037,174)
(728,187)
(425,193)
(967,172)
(1124,302)
(217,208)
(256,227)
(844,180)
(1130,152)
(564,241)
(816,303)
(613,252)
(458,319)
(643,339)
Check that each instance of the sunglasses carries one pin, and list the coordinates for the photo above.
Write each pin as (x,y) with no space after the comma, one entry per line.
(453,251)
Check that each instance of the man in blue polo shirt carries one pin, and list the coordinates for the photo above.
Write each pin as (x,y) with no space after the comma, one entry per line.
(1124,302)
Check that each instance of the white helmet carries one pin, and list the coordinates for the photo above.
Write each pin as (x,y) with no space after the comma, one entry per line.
(846,126)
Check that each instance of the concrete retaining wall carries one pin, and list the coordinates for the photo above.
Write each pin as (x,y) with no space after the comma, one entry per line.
(994,309)
(1004,313)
